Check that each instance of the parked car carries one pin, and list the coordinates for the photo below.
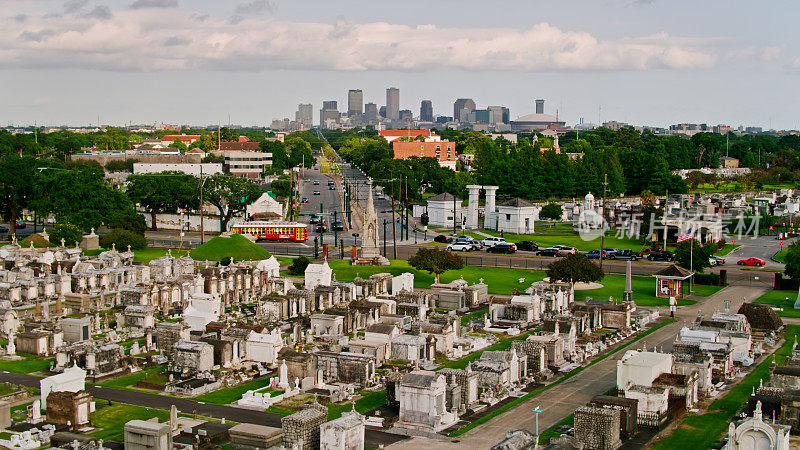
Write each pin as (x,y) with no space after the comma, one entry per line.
(460,246)
(550,251)
(661,255)
(443,239)
(595,254)
(528,245)
(566,249)
(751,262)
(316,182)
(316,192)
(611,250)
(492,241)
(337,226)
(476,244)
(502,247)
(20,225)
(304,200)
(627,253)
(716,260)
(313,219)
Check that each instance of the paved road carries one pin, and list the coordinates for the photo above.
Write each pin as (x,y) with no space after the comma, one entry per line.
(562,400)
(373,437)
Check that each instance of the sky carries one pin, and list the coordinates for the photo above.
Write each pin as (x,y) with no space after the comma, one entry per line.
(247,62)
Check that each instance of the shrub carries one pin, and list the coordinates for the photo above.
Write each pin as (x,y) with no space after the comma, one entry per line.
(298,266)
(122,238)
(128,220)
(708,279)
(125,165)
(67,231)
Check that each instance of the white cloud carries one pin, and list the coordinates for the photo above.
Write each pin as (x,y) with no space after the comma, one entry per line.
(138,4)
(255,7)
(147,39)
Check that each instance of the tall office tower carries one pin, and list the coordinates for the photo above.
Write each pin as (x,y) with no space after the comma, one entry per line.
(406,115)
(393,103)
(329,114)
(371,113)
(500,114)
(426,111)
(461,109)
(539,106)
(305,115)
(355,102)
(506,117)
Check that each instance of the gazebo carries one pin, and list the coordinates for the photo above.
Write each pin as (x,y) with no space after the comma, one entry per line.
(669,281)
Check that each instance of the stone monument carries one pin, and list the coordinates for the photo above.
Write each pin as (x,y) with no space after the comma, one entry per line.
(627,295)
(370,250)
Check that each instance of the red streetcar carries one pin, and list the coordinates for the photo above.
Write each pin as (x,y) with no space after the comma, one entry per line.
(275,231)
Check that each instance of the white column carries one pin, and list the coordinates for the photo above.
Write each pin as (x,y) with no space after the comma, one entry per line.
(472,205)
(490,212)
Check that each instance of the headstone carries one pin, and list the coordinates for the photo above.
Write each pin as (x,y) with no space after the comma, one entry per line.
(283,375)
(627,295)
(173,417)
(135,350)
(90,241)
(11,348)
(5,415)
(797,302)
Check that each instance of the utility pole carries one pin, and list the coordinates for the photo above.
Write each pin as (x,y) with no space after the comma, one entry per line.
(454,215)
(603,217)
(666,210)
(202,234)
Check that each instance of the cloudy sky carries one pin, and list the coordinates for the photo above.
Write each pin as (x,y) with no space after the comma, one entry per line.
(653,62)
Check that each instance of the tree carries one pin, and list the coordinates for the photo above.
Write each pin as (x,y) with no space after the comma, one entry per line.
(230,195)
(122,239)
(17,189)
(280,186)
(693,255)
(435,261)
(574,268)
(177,143)
(792,269)
(164,192)
(551,211)
(67,231)
(128,220)
(298,266)
(299,152)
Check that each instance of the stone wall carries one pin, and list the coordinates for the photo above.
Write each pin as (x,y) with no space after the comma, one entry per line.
(301,429)
(597,428)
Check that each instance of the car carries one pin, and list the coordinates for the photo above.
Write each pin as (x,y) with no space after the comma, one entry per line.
(308,179)
(316,192)
(316,182)
(716,260)
(611,250)
(528,245)
(321,227)
(20,225)
(492,241)
(751,262)
(502,247)
(627,253)
(550,251)
(443,239)
(460,246)
(313,219)
(380,196)
(595,254)
(331,187)
(471,240)
(566,249)
(337,226)
(661,255)
(304,200)
(474,243)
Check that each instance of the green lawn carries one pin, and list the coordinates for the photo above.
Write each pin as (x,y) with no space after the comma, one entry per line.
(704,430)
(778,298)
(151,374)
(473,315)
(546,237)
(369,401)
(29,364)
(145,255)
(781,256)
(237,247)
(499,281)
(111,420)
(727,248)
(643,291)
(230,395)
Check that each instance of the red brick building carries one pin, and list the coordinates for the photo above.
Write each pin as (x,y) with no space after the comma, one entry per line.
(443,151)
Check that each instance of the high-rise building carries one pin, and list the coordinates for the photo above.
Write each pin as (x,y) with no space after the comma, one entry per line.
(482,115)
(426,111)
(393,103)
(355,102)
(305,115)
(371,113)
(461,109)
(329,114)
(501,114)
(539,106)
(406,115)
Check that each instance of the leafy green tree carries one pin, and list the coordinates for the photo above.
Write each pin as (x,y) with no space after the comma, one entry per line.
(121,239)
(573,269)
(177,143)
(230,195)
(693,255)
(298,265)
(129,220)
(228,135)
(435,261)
(17,188)
(551,212)
(165,192)
(280,187)
(67,231)
(299,152)
(792,268)
(212,158)
(125,165)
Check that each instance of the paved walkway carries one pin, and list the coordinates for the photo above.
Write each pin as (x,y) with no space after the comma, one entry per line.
(562,400)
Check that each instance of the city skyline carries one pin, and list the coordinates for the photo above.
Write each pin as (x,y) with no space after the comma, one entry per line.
(643,62)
